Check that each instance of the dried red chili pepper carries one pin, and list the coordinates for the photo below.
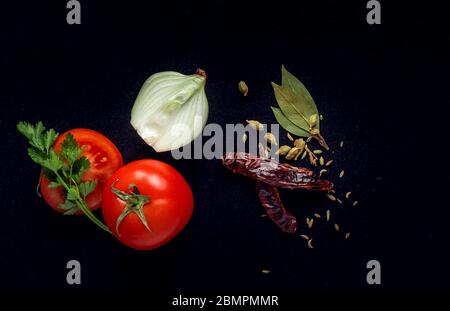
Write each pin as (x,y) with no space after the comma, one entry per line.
(274,173)
(270,200)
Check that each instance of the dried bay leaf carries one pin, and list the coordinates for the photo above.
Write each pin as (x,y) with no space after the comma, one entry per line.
(298,107)
(288,125)
(302,95)
(290,107)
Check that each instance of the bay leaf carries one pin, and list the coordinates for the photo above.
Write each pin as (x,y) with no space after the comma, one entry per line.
(290,106)
(301,94)
(288,125)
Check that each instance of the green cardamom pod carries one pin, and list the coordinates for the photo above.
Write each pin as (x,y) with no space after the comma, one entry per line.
(283,150)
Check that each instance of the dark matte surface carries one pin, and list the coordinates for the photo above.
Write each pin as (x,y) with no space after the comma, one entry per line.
(381,89)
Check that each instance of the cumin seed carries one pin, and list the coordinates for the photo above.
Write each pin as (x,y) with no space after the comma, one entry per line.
(305,236)
(331,197)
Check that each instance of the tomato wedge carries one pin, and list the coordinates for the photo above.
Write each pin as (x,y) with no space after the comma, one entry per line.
(104,158)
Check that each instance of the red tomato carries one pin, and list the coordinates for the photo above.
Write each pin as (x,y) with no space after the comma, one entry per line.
(104,157)
(167,212)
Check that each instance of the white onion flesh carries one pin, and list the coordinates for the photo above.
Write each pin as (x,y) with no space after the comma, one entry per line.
(170,110)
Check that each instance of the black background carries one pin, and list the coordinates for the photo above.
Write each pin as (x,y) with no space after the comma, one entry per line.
(381,88)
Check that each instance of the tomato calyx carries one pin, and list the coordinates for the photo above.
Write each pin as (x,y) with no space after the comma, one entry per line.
(135,202)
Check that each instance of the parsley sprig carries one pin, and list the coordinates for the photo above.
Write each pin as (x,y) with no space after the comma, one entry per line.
(62,170)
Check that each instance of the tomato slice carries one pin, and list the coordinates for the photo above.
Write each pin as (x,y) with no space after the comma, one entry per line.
(104,158)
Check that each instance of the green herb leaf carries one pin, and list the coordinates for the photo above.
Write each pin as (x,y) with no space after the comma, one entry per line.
(54,184)
(53,162)
(69,207)
(73,194)
(87,187)
(70,150)
(288,125)
(33,134)
(80,166)
(49,139)
(37,156)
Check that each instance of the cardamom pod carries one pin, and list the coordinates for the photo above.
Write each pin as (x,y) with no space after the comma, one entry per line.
(292,153)
(243,88)
(300,143)
(313,121)
(271,138)
(283,150)
(256,125)
(244,138)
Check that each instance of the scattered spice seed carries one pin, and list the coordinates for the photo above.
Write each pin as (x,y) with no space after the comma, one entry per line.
(321,117)
(317,151)
(304,154)
(322,161)
(336,226)
(354,203)
(310,244)
(256,125)
(339,200)
(244,138)
(331,197)
(328,215)
(305,236)
(317,215)
(289,136)
(322,171)
(263,215)
(309,222)
(347,235)
(341,174)
(329,162)
(265,271)
(341,144)
(271,138)
(332,191)
(308,139)
(347,195)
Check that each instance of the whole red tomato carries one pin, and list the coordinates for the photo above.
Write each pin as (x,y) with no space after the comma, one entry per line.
(104,158)
(146,203)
